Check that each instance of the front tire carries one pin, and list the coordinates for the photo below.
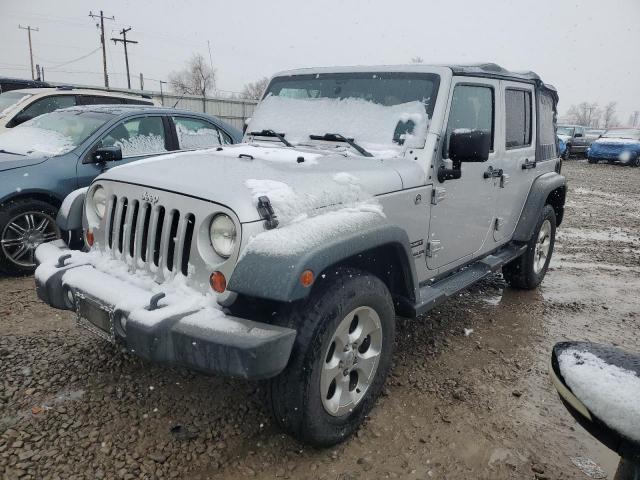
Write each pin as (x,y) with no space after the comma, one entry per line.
(24,224)
(339,361)
(635,162)
(528,271)
(592,160)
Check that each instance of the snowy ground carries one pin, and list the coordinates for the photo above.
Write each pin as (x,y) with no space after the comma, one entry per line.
(469,395)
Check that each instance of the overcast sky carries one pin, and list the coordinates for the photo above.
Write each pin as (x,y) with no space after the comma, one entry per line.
(589,49)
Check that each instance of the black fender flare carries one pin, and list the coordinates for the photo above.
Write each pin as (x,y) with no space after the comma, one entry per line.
(536,200)
(278,277)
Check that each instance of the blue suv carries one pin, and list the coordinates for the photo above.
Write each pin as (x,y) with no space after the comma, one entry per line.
(44,159)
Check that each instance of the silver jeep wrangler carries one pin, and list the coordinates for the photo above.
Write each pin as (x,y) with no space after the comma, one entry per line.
(359,194)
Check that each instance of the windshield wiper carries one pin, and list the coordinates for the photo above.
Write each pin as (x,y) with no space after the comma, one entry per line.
(271,133)
(11,153)
(336,137)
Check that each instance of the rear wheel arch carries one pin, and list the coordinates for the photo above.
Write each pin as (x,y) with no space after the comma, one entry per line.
(556,199)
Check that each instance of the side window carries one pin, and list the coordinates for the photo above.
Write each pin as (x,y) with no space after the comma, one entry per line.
(194,133)
(138,136)
(47,105)
(97,100)
(472,108)
(517,118)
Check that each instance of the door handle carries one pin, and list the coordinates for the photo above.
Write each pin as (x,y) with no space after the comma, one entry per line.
(492,172)
(527,164)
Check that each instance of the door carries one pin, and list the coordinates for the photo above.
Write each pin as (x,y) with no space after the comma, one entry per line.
(518,160)
(138,137)
(462,210)
(579,143)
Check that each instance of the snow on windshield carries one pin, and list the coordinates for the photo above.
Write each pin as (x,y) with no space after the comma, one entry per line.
(8,100)
(371,125)
(26,140)
(610,392)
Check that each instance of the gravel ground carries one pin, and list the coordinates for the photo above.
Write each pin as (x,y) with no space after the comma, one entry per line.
(455,406)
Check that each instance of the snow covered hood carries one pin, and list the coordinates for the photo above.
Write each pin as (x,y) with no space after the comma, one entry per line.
(224,176)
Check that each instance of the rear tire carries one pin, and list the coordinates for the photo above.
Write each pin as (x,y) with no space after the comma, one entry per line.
(24,224)
(306,399)
(528,271)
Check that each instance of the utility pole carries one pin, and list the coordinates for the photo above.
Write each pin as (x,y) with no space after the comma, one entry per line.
(29,29)
(104,51)
(124,41)
(161,92)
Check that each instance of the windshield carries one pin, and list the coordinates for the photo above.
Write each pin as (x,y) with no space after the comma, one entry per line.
(379,109)
(9,99)
(630,134)
(53,133)
(566,131)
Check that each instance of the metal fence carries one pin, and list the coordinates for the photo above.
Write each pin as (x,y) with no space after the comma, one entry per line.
(231,110)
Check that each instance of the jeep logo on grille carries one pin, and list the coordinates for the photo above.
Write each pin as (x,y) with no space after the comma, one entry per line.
(152,199)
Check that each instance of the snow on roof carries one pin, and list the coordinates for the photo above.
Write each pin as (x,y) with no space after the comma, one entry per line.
(610,392)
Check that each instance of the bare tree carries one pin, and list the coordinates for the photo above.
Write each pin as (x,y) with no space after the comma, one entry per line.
(417,59)
(197,78)
(609,115)
(255,90)
(585,114)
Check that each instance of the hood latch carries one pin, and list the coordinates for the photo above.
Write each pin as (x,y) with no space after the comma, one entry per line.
(266,212)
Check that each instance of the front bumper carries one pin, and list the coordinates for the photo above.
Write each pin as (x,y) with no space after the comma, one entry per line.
(175,335)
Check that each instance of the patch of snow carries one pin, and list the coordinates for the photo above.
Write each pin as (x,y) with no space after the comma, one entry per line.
(617,141)
(273,154)
(197,139)
(13,105)
(345,178)
(588,467)
(141,145)
(468,331)
(370,124)
(311,232)
(611,393)
(32,141)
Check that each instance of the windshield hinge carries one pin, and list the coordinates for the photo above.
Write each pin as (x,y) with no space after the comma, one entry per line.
(433,246)
(438,194)
(266,212)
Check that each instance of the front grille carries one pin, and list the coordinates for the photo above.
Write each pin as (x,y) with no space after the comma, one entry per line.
(151,237)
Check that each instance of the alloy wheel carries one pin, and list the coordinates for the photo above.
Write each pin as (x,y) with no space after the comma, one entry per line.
(543,246)
(22,235)
(351,361)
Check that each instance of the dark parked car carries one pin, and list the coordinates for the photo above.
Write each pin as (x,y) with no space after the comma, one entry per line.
(617,145)
(44,159)
(7,84)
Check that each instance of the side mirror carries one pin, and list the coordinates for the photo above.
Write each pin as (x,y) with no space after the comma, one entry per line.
(106,154)
(469,145)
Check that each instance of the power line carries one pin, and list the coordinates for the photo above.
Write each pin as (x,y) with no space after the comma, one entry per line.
(62,64)
(104,53)
(124,41)
(29,29)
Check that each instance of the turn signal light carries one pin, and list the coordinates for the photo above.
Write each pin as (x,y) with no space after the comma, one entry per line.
(218,282)
(306,278)
(89,238)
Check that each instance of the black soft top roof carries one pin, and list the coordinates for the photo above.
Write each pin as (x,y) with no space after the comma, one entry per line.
(493,70)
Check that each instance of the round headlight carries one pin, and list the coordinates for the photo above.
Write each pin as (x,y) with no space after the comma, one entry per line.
(99,201)
(223,234)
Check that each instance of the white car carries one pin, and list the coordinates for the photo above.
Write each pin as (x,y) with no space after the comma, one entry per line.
(18,106)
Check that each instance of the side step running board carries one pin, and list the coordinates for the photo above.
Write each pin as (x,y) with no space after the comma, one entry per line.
(438,292)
